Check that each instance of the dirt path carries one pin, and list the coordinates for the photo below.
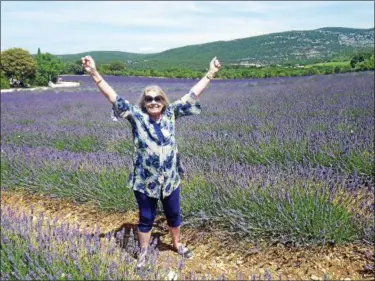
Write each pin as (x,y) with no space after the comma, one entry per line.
(216,253)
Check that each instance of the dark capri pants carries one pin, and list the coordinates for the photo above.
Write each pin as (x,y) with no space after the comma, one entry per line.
(147,209)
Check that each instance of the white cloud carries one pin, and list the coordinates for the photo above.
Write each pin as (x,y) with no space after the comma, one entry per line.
(71,27)
(156,14)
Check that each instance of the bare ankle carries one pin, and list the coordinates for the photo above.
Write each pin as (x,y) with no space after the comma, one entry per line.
(176,245)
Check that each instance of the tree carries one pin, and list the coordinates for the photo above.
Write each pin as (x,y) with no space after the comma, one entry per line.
(39,51)
(48,67)
(73,68)
(116,66)
(367,64)
(354,61)
(360,57)
(18,64)
(4,82)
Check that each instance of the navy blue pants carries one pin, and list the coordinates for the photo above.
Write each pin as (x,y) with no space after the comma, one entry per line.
(147,210)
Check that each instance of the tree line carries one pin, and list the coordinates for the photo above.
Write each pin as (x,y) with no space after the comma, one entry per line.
(361,61)
(20,68)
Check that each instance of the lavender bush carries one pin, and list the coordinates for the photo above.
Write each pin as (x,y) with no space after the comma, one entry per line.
(35,248)
(287,159)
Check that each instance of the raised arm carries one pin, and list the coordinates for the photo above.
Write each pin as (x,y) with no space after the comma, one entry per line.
(202,84)
(88,65)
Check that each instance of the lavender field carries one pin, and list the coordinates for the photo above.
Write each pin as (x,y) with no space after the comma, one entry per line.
(280,159)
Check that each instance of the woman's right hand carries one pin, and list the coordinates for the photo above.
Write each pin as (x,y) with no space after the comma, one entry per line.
(214,65)
(88,64)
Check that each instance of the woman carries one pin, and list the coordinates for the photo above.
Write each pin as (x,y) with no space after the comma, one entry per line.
(156,165)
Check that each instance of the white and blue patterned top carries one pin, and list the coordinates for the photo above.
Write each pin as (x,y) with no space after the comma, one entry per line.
(155,160)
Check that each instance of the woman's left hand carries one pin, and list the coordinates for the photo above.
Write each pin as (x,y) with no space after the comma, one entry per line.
(215,65)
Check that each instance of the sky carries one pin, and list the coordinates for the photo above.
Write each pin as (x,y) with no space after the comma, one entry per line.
(69,27)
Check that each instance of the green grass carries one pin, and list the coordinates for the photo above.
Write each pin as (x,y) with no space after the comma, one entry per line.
(197,194)
(106,188)
(281,153)
(69,122)
(307,217)
(26,122)
(123,146)
(80,144)
(333,63)
(85,143)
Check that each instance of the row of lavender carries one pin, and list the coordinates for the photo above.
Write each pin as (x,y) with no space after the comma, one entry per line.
(319,121)
(33,250)
(295,204)
(287,159)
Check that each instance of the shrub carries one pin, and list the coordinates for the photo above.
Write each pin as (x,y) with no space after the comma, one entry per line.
(40,80)
(4,82)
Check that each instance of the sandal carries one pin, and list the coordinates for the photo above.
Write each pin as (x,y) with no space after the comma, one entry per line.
(141,258)
(184,252)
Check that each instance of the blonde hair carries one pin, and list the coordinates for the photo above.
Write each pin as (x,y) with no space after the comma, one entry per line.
(156,89)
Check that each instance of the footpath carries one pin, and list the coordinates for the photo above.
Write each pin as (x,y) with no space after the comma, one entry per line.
(50,86)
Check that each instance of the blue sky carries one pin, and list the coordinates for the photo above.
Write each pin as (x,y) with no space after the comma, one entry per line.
(67,27)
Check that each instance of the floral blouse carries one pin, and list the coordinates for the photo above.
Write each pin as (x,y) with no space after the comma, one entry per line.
(155,163)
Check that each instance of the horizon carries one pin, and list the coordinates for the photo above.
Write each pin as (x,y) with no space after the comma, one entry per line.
(154,27)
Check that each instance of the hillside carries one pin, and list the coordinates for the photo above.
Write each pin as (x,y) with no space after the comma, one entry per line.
(302,47)
(104,56)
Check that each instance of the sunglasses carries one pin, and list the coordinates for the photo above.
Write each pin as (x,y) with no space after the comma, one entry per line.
(149,99)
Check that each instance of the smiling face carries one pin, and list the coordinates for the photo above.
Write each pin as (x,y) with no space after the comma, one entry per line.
(154,103)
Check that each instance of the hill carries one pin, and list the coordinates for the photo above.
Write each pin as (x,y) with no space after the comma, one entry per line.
(104,56)
(290,47)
